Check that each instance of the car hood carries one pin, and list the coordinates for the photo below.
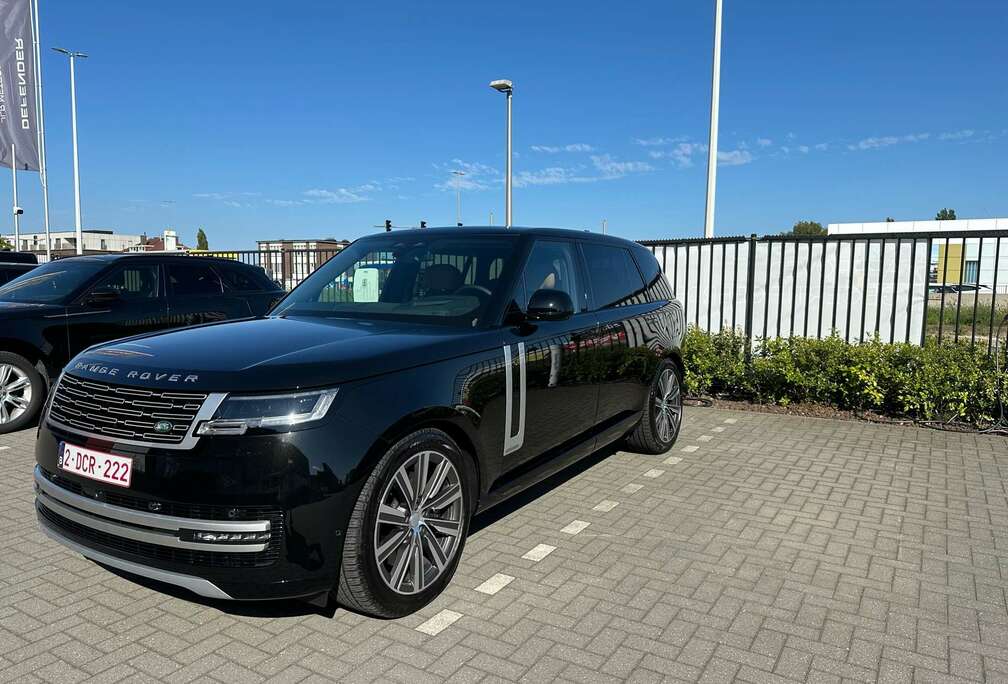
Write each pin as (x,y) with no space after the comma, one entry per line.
(268,354)
(12,310)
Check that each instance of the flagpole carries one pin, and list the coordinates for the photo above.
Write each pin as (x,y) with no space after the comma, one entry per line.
(17,217)
(40,128)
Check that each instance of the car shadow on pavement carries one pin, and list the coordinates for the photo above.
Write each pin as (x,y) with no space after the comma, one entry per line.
(300,607)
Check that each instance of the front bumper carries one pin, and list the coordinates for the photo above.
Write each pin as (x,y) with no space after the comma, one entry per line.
(272,511)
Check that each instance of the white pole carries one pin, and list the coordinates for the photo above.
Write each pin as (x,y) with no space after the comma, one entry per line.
(507,180)
(712,144)
(491,217)
(17,218)
(40,130)
(76,166)
(458,196)
(603,226)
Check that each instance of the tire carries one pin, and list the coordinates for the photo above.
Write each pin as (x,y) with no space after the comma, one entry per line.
(22,392)
(379,574)
(658,430)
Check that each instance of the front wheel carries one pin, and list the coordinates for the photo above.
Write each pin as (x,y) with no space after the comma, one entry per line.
(408,528)
(662,415)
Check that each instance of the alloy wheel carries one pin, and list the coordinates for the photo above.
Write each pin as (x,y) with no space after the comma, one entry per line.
(668,405)
(15,392)
(419,522)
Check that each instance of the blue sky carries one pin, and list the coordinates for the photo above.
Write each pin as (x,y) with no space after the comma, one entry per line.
(311,119)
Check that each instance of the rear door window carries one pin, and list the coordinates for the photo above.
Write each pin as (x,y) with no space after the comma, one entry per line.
(238,279)
(614,277)
(551,265)
(189,279)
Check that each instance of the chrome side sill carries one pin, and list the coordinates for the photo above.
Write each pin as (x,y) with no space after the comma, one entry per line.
(197,585)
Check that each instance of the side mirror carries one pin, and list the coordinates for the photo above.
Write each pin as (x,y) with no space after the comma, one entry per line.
(550,305)
(102,298)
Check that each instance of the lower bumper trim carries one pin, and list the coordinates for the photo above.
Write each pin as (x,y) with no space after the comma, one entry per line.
(197,585)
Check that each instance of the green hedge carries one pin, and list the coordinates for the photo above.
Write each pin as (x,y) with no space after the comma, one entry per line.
(935,382)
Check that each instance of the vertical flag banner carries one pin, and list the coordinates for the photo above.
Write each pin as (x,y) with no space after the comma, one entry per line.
(18,101)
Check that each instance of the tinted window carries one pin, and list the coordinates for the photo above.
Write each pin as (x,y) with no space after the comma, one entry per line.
(136,281)
(53,282)
(614,276)
(435,279)
(550,266)
(654,280)
(238,279)
(193,279)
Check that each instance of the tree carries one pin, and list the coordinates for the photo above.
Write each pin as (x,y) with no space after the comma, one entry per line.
(808,228)
(201,241)
(890,219)
(5,245)
(945,215)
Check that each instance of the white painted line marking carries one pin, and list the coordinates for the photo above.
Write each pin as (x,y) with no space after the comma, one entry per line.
(606,505)
(539,552)
(495,584)
(717,429)
(704,438)
(731,421)
(439,623)
(4,448)
(690,449)
(575,527)
(633,488)
(672,460)
(654,473)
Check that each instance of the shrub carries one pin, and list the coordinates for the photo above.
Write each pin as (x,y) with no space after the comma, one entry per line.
(939,381)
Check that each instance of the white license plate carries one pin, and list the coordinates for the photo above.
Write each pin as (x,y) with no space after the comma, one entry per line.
(96,465)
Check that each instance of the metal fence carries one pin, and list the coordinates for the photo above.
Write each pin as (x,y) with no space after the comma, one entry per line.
(900,287)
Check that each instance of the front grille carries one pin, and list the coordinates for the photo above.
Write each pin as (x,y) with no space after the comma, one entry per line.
(143,550)
(119,412)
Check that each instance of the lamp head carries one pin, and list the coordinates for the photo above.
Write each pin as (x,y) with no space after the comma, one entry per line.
(502,85)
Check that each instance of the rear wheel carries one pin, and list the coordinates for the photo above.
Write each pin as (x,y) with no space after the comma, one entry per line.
(408,527)
(22,392)
(662,415)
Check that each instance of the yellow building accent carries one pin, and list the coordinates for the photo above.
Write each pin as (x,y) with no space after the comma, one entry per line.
(954,275)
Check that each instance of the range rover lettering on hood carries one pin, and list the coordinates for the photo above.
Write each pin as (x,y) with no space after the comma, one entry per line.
(112,371)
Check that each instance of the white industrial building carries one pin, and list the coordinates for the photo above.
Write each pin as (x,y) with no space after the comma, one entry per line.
(66,240)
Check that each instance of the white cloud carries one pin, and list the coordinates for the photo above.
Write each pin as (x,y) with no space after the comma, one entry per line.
(573,147)
(734,157)
(658,142)
(822,147)
(804,149)
(212,195)
(339,195)
(611,168)
(957,135)
(885,141)
(764,142)
(682,154)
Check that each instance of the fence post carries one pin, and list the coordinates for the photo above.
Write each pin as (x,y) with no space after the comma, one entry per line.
(750,291)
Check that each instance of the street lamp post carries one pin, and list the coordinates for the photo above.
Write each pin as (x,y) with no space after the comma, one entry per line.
(76,166)
(458,196)
(714,108)
(506,87)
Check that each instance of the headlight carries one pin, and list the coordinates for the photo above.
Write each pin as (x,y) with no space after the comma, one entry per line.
(237,413)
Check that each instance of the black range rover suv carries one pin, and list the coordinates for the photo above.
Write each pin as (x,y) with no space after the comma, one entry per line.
(340,445)
(52,312)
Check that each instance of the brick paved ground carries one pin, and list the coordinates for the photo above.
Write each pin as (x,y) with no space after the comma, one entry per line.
(761,548)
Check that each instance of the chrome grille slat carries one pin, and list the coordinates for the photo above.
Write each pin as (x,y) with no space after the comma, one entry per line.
(124,412)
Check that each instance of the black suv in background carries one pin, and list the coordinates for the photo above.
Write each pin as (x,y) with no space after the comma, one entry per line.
(14,264)
(54,311)
(342,443)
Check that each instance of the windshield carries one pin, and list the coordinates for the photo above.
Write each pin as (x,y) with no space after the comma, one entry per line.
(446,280)
(51,283)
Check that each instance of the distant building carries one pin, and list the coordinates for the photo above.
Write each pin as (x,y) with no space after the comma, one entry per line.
(291,261)
(64,242)
(959,261)
(167,242)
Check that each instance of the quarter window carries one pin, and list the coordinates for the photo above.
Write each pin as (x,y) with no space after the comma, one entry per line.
(237,280)
(614,277)
(193,279)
